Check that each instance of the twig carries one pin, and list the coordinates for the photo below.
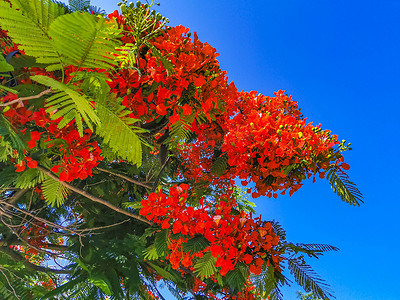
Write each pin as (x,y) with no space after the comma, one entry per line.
(14,255)
(13,291)
(38,218)
(54,247)
(48,91)
(125,177)
(92,197)
(17,195)
(103,227)
(159,175)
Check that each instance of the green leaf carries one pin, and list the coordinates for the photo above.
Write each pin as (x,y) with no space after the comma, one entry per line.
(237,277)
(205,266)
(119,133)
(151,253)
(63,288)
(4,65)
(164,273)
(69,104)
(101,282)
(7,89)
(318,247)
(279,231)
(85,40)
(11,136)
(7,176)
(78,5)
(306,277)
(196,244)
(268,283)
(169,67)
(220,165)
(54,192)
(343,187)
(29,179)
(25,90)
(28,26)
(161,242)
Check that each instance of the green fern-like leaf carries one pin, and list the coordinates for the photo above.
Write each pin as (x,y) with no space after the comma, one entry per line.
(205,266)
(94,84)
(169,67)
(306,277)
(318,247)
(101,282)
(164,273)
(10,139)
(85,40)
(4,65)
(54,192)
(7,177)
(220,165)
(29,179)
(151,253)
(119,133)
(343,187)
(69,104)
(312,250)
(279,230)
(180,130)
(78,5)
(196,244)
(268,283)
(65,288)
(237,278)
(161,242)
(28,26)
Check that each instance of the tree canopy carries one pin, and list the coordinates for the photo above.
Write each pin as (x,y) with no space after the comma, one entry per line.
(122,144)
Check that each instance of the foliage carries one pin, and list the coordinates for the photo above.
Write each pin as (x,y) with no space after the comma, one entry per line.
(120,143)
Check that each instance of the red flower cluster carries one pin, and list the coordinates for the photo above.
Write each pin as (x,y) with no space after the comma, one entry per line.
(195,84)
(270,143)
(78,155)
(232,237)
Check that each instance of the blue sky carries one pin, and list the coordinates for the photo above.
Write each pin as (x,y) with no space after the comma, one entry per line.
(340,61)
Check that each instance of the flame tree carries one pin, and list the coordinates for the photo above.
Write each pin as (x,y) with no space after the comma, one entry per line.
(120,142)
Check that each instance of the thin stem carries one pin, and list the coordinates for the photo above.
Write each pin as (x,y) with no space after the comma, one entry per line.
(92,197)
(125,177)
(14,255)
(48,91)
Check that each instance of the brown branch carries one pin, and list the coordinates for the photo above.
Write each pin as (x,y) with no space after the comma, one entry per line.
(21,243)
(125,177)
(54,225)
(48,91)
(15,256)
(17,195)
(92,197)
(102,227)
(159,175)
(8,281)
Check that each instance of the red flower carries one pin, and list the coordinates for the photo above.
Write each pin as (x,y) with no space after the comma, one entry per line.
(32,164)
(32,144)
(20,167)
(55,169)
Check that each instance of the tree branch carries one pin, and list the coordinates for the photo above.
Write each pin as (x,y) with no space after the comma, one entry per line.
(159,175)
(17,195)
(37,218)
(15,256)
(21,243)
(125,177)
(48,91)
(93,198)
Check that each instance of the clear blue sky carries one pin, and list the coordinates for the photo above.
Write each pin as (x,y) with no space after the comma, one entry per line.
(340,60)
